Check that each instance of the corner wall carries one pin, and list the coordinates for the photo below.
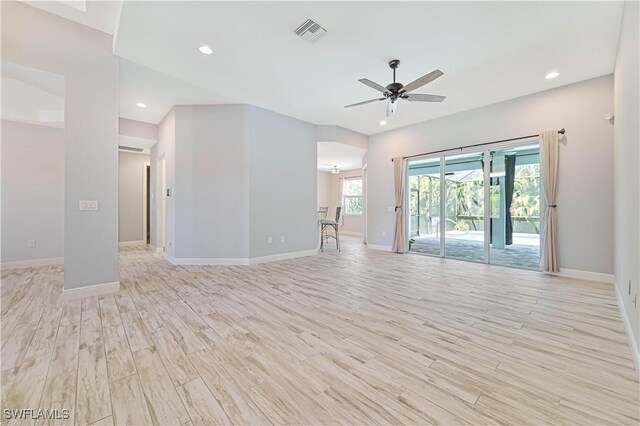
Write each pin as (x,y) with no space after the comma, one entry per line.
(626,157)
(283,173)
(585,180)
(211,197)
(40,40)
(239,175)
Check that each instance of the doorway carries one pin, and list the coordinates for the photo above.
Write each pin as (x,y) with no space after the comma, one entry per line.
(479,206)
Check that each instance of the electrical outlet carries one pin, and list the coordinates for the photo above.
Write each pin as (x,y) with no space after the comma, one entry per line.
(269,240)
(384,233)
(31,243)
(282,238)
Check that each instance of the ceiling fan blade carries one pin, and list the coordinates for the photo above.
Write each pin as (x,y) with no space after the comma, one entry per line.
(365,102)
(428,78)
(419,97)
(391,107)
(373,85)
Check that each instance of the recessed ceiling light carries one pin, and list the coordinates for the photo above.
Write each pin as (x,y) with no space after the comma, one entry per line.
(383,123)
(205,49)
(552,74)
(141,105)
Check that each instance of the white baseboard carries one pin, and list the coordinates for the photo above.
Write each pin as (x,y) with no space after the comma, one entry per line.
(156,249)
(221,261)
(354,233)
(32,263)
(282,256)
(627,327)
(206,261)
(130,243)
(91,290)
(379,247)
(585,275)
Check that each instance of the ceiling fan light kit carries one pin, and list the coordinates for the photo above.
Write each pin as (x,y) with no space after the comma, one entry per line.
(396,91)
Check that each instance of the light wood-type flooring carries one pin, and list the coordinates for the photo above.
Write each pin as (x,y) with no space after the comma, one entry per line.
(358,337)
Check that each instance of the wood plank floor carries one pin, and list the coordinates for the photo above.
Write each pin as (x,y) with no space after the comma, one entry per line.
(358,337)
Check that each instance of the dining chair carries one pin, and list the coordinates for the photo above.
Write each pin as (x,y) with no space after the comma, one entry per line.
(330,224)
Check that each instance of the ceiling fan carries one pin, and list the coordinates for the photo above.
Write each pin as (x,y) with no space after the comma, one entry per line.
(395,90)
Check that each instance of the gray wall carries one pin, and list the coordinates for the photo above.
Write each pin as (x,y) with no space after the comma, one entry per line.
(137,129)
(283,167)
(585,182)
(331,133)
(323,189)
(626,158)
(132,170)
(212,182)
(239,175)
(32,191)
(40,40)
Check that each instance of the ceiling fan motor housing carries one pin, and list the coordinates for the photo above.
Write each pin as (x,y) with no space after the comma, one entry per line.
(395,89)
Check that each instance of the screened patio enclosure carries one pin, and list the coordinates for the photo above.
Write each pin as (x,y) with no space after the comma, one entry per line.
(461,208)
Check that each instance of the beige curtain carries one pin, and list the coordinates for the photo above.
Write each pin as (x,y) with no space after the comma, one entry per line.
(549,169)
(399,238)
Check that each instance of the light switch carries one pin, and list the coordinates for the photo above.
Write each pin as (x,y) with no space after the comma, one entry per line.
(88,205)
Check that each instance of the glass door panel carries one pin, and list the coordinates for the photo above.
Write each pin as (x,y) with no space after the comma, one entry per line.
(464,207)
(515,207)
(424,206)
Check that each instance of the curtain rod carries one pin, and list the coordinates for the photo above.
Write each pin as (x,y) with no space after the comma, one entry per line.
(561,131)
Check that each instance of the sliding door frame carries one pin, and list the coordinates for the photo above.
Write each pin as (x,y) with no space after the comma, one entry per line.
(486,154)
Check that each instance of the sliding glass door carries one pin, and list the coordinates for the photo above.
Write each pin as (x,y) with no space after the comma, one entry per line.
(464,208)
(424,206)
(480,206)
(515,207)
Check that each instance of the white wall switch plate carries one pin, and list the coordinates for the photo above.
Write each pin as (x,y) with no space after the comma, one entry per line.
(31,243)
(391,208)
(88,205)
(282,238)
(270,240)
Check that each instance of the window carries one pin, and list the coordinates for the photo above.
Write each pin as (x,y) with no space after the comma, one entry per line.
(352,195)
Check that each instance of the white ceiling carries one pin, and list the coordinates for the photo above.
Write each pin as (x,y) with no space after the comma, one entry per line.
(489,51)
(158,91)
(345,157)
(99,14)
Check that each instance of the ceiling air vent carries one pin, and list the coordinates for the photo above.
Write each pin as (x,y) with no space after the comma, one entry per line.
(129,148)
(310,31)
